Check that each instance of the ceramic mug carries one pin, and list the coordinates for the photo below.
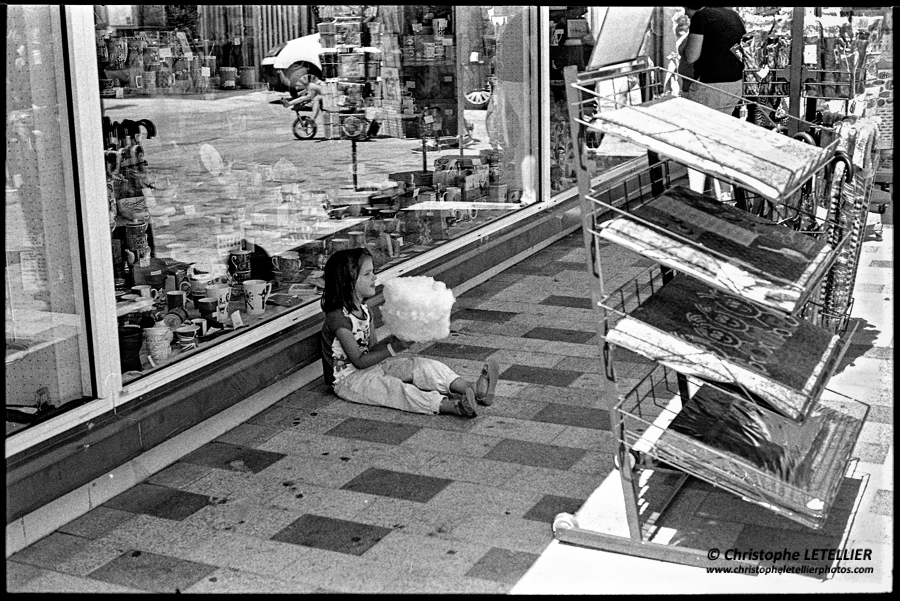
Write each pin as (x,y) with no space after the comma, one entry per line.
(256,293)
(175,299)
(240,260)
(186,336)
(206,306)
(222,294)
(145,291)
(201,323)
(288,263)
(452,194)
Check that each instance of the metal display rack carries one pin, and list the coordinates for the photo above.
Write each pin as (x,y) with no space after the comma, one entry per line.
(642,417)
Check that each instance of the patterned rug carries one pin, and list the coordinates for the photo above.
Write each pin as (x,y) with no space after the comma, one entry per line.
(795,463)
(702,331)
(723,246)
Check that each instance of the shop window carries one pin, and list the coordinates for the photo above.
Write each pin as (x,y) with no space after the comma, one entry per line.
(47,361)
(414,125)
(574,33)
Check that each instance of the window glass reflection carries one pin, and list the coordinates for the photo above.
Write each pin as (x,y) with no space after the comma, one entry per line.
(573,35)
(248,143)
(47,365)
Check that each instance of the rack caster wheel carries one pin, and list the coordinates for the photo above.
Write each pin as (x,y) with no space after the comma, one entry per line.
(633,460)
(564,521)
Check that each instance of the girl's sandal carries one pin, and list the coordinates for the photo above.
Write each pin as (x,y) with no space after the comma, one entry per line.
(492,371)
(465,404)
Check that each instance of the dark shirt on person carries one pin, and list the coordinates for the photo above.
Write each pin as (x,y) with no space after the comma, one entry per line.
(721,29)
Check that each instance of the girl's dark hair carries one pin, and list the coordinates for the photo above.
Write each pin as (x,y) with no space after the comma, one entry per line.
(341,271)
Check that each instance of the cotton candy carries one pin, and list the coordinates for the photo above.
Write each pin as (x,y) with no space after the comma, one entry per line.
(417,308)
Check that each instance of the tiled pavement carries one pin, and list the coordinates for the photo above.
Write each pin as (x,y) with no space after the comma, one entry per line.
(318,495)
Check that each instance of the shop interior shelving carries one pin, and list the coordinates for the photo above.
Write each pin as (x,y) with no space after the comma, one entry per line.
(657,421)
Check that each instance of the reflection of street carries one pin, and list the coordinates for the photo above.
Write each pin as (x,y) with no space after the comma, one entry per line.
(202,206)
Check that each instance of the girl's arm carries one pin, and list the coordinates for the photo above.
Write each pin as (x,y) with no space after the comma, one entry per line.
(375,355)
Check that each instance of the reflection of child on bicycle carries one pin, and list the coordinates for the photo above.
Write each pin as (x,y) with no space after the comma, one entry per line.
(312,95)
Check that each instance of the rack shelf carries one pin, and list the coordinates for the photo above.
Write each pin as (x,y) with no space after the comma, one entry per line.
(792,469)
(725,316)
(701,331)
(707,140)
(722,246)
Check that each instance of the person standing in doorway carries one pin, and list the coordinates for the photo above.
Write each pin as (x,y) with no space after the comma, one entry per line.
(714,30)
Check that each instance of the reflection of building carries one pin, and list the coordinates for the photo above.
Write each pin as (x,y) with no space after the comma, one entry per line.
(230,36)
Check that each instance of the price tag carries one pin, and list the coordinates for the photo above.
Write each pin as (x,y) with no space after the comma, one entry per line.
(236,320)
(410,84)
(237,41)
(428,119)
(447,41)
(190,210)
(204,71)
(810,54)
(448,78)
(416,193)
(417,27)
(763,72)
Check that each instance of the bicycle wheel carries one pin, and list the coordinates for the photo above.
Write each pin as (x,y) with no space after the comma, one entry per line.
(304,128)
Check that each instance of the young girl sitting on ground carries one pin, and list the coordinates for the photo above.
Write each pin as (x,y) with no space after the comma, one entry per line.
(362,370)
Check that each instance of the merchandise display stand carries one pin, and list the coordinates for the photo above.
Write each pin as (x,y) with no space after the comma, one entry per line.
(714,315)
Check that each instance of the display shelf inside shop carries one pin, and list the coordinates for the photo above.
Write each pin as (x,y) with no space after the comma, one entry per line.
(682,323)
(733,150)
(792,469)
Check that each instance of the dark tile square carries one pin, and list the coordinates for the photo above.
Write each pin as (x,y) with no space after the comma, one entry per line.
(540,375)
(483,315)
(179,506)
(535,454)
(140,498)
(880,352)
(550,506)
(152,572)
(794,541)
(158,501)
(559,335)
(233,457)
(570,415)
(97,522)
(459,351)
(373,430)
(398,485)
(502,565)
(887,264)
(331,534)
(566,265)
(51,551)
(547,269)
(880,414)
(576,302)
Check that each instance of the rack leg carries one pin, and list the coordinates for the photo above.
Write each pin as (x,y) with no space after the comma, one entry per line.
(626,546)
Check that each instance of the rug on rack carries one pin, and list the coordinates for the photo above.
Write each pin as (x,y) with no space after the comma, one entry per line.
(702,331)
(723,246)
(780,447)
(756,158)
